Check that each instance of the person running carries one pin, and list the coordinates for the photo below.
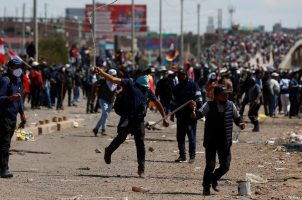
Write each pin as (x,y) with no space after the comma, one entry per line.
(132,118)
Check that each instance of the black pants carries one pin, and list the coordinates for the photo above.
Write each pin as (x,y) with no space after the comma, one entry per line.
(90,100)
(7,128)
(68,90)
(253,113)
(137,128)
(35,96)
(224,157)
(294,106)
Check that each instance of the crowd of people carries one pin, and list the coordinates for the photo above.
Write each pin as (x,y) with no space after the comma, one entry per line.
(225,77)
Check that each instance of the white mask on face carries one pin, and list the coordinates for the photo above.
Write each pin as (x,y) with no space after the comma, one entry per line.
(17,72)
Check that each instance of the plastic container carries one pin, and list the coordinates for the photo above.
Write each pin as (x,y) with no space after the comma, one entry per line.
(244,188)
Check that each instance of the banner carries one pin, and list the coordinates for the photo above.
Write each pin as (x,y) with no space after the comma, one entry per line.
(2,52)
(116,19)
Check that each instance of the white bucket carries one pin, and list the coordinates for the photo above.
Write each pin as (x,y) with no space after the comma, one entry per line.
(244,188)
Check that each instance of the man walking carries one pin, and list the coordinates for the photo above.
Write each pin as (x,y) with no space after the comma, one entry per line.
(106,95)
(185,91)
(220,115)
(10,106)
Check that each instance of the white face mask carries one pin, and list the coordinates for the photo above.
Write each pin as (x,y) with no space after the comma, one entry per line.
(17,72)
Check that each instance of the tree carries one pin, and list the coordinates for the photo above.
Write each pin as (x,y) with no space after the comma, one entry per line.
(53,50)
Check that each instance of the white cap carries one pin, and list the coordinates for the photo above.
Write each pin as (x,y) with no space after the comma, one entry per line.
(275,74)
(112,72)
(35,63)
(162,68)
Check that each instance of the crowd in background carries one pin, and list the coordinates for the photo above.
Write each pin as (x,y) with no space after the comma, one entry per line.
(49,85)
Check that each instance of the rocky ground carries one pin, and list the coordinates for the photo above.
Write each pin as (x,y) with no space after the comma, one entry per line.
(65,165)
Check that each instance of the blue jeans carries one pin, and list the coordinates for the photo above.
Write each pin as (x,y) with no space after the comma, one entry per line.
(76,94)
(47,94)
(186,127)
(106,108)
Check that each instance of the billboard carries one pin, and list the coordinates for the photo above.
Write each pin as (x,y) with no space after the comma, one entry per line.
(151,41)
(116,19)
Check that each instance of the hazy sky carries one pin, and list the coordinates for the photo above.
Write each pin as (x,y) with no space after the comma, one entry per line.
(248,12)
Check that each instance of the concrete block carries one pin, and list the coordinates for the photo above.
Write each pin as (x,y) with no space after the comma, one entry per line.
(54,119)
(47,128)
(61,125)
(68,124)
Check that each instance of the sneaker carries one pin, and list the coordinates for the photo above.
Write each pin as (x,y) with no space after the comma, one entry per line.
(141,173)
(214,186)
(95,131)
(256,129)
(206,191)
(6,174)
(107,156)
(103,132)
(181,159)
(192,160)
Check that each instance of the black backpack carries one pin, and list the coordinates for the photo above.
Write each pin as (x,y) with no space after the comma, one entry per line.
(124,105)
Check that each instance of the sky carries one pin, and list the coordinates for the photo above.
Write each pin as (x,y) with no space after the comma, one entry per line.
(249,13)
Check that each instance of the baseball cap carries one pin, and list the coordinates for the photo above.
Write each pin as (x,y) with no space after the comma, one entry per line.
(112,72)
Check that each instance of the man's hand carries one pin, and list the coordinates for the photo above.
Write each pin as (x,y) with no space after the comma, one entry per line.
(165,123)
(242,126)
(23,121)
(172,118)
(15,97)
(192,105)
(98,70)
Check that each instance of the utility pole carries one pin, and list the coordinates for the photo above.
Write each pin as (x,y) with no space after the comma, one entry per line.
(160,31)
(45,18)
(181,33)
(93,34)
(219,30)
(36,30)
(133,34)
(79,31)
(23,29)
(198,34)
(17,14)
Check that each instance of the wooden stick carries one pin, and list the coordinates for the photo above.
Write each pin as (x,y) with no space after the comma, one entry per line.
(28,151)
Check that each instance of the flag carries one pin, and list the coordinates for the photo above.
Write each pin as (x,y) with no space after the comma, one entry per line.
(172,54)
(2,57)
(17,60)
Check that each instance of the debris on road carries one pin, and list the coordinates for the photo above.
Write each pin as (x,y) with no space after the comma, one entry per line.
(84,168)
(139,189)
(151,149)
(254,178)
(98,151)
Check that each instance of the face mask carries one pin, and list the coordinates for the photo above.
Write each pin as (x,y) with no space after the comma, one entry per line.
(143,81)
(17,72)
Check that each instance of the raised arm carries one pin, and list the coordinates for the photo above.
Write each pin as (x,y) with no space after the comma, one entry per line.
(107,76)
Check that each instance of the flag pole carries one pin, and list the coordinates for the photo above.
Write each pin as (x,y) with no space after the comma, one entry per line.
(25,63)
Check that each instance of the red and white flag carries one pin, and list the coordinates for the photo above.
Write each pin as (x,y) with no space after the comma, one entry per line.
(14,56)
(2,53)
